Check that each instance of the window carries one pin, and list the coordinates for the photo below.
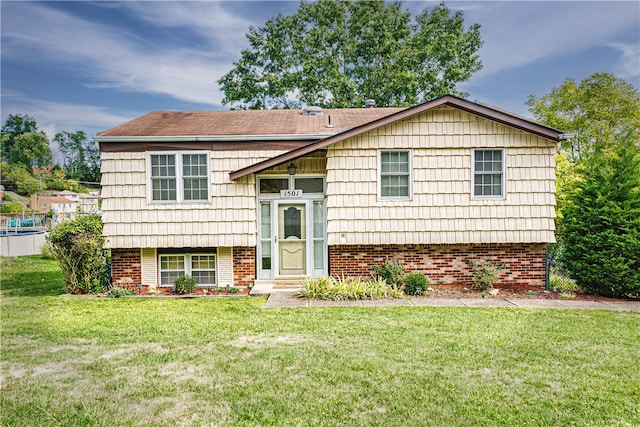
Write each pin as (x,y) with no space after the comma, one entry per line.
(179,177)
(308,185)
(194,176)
(201,267)
(488,173)
(395,172)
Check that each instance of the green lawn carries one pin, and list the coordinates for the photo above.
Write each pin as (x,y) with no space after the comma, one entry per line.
(94,361)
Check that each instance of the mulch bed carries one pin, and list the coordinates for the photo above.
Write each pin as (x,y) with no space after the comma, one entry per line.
(459,291)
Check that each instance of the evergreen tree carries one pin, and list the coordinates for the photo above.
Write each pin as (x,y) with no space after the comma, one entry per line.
(602,225)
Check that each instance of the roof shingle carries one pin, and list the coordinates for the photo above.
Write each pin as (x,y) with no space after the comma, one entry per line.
(246,122)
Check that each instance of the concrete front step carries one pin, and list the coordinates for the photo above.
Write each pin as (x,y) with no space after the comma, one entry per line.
(268,287)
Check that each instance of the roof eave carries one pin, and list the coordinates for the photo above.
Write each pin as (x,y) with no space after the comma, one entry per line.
(214,138)
(463,104)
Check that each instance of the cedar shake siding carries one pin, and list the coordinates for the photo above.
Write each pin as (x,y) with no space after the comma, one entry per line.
(441,209)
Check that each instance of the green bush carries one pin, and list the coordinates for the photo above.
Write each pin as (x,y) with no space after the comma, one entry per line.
(602,225)
(485,275)
(562,284)
(116,292)
(330,288)
(77,245)
(184,285)
(415,284)
(11,207)
(47,251)
(391,272)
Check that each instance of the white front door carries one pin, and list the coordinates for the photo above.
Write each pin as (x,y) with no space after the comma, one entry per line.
(291,239)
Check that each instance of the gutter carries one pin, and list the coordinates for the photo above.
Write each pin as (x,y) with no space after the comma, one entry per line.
(216,138)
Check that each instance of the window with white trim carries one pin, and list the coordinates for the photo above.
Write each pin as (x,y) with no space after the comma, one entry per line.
(179,177)
(488,173)
(200,266)
(395,174)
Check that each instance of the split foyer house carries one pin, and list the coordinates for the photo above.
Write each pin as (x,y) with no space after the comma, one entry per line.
(249,198)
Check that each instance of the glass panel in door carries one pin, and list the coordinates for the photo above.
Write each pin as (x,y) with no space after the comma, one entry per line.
(292,239)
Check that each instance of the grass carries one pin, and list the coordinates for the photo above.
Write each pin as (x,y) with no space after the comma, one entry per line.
(80,361)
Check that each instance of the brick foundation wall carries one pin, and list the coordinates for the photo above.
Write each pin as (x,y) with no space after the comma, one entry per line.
(126,269)
(244,266)
(445,264)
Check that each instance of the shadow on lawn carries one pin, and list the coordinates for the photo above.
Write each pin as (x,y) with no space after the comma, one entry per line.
(30,276)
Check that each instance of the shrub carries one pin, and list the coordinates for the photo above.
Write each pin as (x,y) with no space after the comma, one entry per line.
(47,251)
(415,284)
(562,284)
(116,292)
(11,207)
(602,225)
(330,288)
(77,245)
(392,272)
(485,275)
(184,285)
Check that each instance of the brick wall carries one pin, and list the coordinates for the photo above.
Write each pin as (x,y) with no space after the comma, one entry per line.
(126,267)
(445,264)
(244,266)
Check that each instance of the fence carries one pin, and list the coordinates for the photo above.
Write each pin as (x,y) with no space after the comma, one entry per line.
(25,221)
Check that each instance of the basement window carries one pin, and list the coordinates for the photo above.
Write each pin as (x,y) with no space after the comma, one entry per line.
(200,266)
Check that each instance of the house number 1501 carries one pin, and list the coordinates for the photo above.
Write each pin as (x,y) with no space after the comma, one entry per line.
(290,194)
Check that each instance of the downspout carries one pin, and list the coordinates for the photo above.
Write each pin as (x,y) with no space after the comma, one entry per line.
(547,265)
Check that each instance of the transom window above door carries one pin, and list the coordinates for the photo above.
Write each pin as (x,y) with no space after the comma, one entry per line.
(308,185)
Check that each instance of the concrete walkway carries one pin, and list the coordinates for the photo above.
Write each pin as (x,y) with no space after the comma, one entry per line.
(290,300)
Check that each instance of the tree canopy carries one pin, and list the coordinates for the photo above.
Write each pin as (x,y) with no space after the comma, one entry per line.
(598,185)
(29,161)
(596,112)
(81,156)
(30,149)
(14,126)
(337,53)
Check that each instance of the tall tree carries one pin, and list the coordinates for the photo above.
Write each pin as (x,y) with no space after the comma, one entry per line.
(597,112)
(15,125)
(81,156)
(30,149)
(602,224)
(337,53)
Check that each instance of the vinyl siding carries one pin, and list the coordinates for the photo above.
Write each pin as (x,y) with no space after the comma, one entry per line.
(130,221)
(441,209)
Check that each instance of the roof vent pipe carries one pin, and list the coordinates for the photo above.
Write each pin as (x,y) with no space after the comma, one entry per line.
(369,103)
(329,125)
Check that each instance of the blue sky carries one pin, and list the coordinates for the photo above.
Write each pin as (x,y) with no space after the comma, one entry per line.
(91,66)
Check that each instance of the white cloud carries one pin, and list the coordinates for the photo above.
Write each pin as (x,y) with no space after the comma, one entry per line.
(111,57)
(628,67)
(518,34)
(54,117)
(212,21)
